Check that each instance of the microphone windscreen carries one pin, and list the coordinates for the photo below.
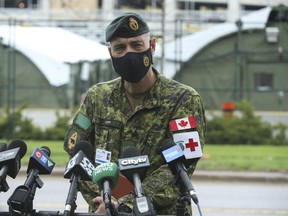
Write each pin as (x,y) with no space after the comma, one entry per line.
(86,147)
(168,143)
(132,162)
(130,151)
(46,150)
(106,171)
(19,144)
(3,147)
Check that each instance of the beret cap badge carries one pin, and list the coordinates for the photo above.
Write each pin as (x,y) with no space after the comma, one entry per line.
(133,24)
(125,26)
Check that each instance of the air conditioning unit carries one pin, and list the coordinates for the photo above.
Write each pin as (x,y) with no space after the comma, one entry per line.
(272,34)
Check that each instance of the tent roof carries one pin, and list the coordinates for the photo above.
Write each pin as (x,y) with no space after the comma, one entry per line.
(52,49)
(192,44)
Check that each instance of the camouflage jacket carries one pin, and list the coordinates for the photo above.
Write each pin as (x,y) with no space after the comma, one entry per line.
(112,125)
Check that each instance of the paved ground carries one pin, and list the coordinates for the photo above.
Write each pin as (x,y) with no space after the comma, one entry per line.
(242,176)
(220,193)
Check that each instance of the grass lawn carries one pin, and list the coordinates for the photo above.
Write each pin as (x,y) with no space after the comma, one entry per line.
(58,155)
(216,157)
(244,157)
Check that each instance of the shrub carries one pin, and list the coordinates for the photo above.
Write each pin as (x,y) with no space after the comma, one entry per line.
(243,129)
(59,130)
(246,129)
(280,134)
(13,124)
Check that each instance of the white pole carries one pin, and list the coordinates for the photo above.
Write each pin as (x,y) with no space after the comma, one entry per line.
(233,10)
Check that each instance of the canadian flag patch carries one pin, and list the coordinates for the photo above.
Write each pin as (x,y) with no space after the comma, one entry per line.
(190,144)
(183,123)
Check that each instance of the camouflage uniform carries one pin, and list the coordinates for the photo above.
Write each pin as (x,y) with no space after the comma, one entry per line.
(114,126)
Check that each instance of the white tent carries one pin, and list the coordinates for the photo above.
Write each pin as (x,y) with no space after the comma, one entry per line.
(52,49)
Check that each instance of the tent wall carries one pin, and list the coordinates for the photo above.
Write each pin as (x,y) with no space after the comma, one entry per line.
(241,66)
(211,73)
(22,82)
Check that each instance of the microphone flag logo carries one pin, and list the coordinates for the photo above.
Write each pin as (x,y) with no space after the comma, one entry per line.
(172,153)
(44,163)
(38,154)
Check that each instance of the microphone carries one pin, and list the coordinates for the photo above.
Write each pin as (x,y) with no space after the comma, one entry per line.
(39,162)
(21,201)
(3,184)
(10,161)
(174,156)
(81,162)
(3,146)
(134,166)
(80,167)
(106,176)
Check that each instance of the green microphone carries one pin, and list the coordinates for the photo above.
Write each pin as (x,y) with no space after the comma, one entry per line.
(106,177)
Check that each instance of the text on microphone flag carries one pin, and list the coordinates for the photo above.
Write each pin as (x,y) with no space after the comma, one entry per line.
(189,143)
(183,123)
(172,153)
(108,166)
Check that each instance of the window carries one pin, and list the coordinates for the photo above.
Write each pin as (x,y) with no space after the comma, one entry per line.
(20,4)
(139,4)
(263,81)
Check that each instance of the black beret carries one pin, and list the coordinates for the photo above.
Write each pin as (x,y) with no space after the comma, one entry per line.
(127,25)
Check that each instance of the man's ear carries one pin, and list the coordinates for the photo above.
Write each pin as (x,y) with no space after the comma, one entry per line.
(109,49)
(153,45)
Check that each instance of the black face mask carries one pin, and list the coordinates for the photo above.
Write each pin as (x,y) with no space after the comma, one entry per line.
(133,66)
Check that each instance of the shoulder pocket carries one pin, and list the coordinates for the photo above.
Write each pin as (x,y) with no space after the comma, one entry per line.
(81,129)
(83,122)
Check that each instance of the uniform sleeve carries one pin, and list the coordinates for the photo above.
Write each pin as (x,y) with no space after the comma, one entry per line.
(160,185)
(193,105)
(81,128)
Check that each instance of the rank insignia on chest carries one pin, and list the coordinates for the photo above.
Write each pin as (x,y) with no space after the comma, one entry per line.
(72,140)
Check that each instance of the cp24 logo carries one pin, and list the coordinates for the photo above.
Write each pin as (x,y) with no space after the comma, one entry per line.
(87,165)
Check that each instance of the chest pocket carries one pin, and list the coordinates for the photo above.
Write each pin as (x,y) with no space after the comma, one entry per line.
(108,135)
(152,147)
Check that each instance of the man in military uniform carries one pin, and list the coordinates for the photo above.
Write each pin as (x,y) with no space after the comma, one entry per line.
(136,109)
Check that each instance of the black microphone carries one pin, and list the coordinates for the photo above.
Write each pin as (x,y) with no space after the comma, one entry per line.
(39,162)
(80,167)
(3,184)
(134,166)
(10,161)
(21,201)
(175,158)
(3,146)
